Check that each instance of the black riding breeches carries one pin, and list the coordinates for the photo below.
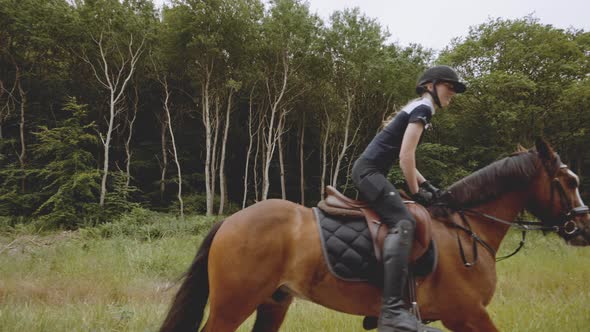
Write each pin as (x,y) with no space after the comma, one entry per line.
(379,193)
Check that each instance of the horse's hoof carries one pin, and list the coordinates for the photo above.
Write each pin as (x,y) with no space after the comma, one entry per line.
(370,323)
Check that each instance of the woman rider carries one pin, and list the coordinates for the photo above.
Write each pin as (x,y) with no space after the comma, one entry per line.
(400,137)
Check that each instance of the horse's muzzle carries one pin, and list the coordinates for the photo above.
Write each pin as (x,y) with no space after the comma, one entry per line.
(577,231)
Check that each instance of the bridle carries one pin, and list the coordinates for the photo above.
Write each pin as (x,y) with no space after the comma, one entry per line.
(567,216)
(565,223)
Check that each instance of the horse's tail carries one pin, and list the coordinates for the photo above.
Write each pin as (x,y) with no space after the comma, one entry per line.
(186,312)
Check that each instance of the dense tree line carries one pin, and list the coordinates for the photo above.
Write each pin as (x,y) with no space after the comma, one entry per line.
(209,106)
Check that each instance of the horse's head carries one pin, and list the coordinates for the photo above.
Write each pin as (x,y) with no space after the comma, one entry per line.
(556,199)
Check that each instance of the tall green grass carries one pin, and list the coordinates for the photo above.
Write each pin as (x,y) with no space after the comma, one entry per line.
(121,277)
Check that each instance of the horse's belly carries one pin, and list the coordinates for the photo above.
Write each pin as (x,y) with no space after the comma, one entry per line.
(308,276)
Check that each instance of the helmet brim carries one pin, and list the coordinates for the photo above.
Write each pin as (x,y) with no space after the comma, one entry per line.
(459,87)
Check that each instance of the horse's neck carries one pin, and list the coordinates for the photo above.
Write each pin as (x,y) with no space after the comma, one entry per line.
(505,207)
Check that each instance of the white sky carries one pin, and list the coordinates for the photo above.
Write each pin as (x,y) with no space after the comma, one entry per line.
(433,23)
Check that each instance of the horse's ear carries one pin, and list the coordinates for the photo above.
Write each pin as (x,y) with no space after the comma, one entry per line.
(544,149)
(520,148)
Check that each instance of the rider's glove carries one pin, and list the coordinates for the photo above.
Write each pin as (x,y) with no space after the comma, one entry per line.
(423,197)
(426,185)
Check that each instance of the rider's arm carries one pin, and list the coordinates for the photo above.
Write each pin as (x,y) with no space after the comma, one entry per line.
(420,178)
(407,155)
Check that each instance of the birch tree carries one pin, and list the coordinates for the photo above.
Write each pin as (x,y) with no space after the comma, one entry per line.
(130,122)
(219,30)
(164,150)
(166,102)
(355,43)
(325,135)
(252,135)
(111,44)
(281,132)
(302,160)
(192,31)
(112,67)
(288,32)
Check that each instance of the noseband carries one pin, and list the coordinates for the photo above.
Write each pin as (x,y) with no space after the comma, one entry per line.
(567,216)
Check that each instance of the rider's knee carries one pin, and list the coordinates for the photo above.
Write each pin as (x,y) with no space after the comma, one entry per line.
(406,225)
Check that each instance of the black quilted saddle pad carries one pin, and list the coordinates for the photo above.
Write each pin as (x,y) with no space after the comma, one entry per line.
(349,253)
(348,248)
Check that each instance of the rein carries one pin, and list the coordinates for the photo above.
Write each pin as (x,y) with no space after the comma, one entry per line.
(525,226)
(568,226)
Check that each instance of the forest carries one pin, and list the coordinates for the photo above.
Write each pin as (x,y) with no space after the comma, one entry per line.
(207,106)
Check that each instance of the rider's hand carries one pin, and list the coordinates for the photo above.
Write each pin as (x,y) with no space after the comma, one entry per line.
(423,197)
(426,185)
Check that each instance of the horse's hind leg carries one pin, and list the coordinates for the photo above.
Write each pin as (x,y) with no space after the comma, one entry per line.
(229,318)
(270,315)
(227,311)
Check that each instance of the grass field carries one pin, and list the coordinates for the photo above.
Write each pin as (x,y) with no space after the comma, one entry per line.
(120,277)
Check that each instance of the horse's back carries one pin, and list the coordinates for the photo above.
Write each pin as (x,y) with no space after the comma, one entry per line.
(264,233)
(271,244)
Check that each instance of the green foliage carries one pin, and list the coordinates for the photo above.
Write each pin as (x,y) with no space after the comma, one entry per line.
(120,198)
(437,163)
(70,181)
(525,79)
(196,203)
(145,225)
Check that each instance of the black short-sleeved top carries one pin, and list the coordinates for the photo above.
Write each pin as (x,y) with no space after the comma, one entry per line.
(384,149)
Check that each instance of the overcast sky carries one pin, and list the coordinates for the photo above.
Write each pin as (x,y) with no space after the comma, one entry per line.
(433,23)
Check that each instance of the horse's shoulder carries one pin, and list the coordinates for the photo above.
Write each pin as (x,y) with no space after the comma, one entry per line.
(419,212)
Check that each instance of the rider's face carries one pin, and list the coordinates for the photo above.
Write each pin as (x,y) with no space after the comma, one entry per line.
(445,92)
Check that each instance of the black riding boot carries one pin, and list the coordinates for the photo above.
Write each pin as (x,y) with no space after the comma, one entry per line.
(396,250)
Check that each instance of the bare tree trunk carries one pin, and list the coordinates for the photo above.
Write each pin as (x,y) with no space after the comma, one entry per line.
(164,163)
(110,78)
(324,153)
(207,124)
(345,145)
(23,146)
(128,141)
(259,155)
(302,160)
(250,143)
(175,152)
(272,135)
(2,91)
(215,150)
(107,144)
(222,183)
(281,159)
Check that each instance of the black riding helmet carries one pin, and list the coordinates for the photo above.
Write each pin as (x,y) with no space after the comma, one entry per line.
(439,74)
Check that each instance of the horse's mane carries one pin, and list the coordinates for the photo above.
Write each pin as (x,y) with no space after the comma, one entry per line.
(507,174)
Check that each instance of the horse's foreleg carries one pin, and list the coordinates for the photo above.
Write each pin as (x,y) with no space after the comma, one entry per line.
(479,321)
(271,315)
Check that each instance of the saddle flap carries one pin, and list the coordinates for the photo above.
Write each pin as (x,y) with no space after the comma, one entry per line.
(338,204)
(422,234)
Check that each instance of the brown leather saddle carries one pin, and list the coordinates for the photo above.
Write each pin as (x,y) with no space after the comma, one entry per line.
(336,204)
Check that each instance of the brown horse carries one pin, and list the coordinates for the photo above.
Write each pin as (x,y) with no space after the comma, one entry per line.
(273,248)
